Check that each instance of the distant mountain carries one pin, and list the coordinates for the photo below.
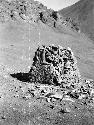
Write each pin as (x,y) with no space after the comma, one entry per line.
(83,13)
(32,11)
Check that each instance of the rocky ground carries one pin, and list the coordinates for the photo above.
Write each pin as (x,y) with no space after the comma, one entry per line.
(22,101)
(25,102)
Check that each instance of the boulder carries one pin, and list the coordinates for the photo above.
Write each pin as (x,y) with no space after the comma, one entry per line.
(55,65)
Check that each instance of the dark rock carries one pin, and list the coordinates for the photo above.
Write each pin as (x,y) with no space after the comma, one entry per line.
(54,15)
(54,65)
(74,95)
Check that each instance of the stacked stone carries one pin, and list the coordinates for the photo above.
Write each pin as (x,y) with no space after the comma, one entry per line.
(71,76)
(55,65)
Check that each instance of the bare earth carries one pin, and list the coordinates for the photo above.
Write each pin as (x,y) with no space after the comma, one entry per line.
(18,43)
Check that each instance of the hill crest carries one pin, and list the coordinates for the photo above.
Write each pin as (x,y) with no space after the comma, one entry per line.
(83,13)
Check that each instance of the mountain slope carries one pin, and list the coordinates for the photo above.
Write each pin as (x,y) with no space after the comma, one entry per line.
(21,32)
(83,13)
(19,39)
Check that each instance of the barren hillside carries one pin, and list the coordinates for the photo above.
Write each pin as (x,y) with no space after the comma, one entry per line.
(83,13)
(24,26)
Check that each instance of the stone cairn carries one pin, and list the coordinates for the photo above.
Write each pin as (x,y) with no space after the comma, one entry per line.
(54,75)
(55,65)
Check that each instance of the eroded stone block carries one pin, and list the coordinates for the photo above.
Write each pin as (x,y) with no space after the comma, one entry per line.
(55,65)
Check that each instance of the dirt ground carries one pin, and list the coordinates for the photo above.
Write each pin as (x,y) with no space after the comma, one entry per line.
(18,42)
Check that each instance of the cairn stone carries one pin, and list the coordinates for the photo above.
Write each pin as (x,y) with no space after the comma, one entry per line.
(55,65)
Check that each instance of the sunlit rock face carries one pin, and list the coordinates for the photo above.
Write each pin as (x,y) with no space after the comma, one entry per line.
(55,65)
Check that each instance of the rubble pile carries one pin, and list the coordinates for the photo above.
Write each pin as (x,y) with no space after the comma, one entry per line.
(55,66)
